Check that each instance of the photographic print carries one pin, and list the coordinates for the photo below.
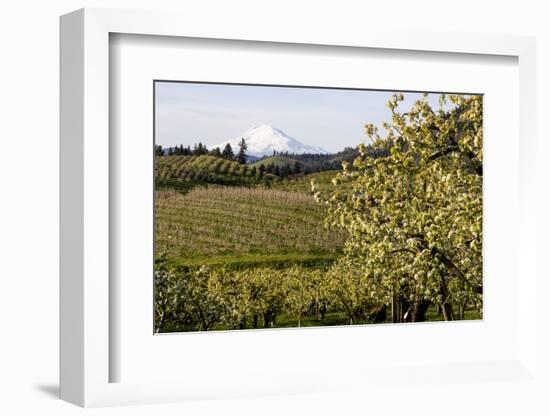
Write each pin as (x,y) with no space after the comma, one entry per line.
(289,207)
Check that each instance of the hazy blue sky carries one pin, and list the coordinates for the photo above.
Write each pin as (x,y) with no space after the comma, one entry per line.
(212,113)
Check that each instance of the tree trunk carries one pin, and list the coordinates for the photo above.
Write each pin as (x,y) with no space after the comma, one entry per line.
(377,314)
(460,315)
(267,319)
(255,321)
(447,312)
(321,313)
(418,311)
(421,311)
(447,309)
(395,306)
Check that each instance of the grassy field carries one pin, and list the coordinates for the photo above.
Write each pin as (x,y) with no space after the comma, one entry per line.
(250,225)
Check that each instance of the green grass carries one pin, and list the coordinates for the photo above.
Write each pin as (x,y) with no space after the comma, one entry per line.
(431,315)
(250,260)
(331,319)
(337,318)
(241,223)
(286,320)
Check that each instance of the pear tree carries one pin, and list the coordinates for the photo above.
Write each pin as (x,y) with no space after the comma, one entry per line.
(414,215)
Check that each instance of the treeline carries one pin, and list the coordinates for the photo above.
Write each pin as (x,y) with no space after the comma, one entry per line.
(320,161)
(200,149)
(288,165)
(307,163)
(284,170)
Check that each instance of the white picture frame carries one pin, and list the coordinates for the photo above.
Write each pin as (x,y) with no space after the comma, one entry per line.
(85,354)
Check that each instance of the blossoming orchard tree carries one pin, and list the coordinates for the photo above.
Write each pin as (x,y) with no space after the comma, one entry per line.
(414,215)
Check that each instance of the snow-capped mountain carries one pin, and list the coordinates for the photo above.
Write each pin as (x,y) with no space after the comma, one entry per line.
(262,140)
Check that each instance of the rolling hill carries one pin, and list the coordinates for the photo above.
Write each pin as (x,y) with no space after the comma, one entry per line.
(185,172)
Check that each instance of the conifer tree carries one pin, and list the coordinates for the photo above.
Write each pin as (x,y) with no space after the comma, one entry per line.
(241,156)
(261,169)
(216,152)
(200,149)
(228,152)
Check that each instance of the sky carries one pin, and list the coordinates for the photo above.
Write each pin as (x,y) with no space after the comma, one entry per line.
(333,119)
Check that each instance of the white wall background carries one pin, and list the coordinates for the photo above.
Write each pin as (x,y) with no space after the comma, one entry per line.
(29,182)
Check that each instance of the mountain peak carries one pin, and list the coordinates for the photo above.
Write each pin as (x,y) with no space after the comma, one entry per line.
(263,139)
(263,128)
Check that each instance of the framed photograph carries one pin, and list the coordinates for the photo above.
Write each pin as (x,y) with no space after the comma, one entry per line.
(267,231)
(279,214)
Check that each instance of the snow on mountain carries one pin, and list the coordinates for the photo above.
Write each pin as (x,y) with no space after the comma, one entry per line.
(262,140)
